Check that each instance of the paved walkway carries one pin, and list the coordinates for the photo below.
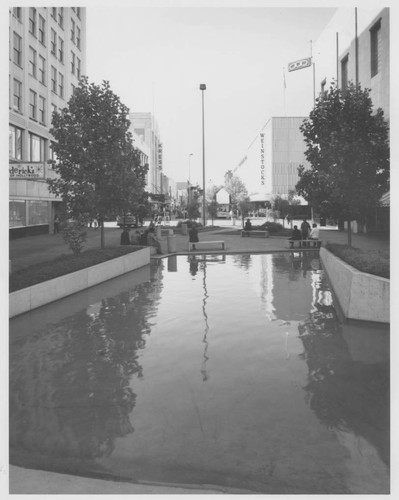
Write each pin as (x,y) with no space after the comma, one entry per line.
(24,252)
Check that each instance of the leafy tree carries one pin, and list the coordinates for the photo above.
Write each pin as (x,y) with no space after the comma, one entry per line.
(244,206)
(74,233)
(192,209)
(236,188)
(212,208)
(348,150)
(281,206)
(99,169)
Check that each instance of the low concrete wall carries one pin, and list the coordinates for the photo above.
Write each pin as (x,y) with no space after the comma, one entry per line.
(360,295)
(43,293)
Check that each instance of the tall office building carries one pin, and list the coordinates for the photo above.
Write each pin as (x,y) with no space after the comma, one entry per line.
(47,57)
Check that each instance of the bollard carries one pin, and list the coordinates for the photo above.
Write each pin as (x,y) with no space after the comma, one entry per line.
(184,229)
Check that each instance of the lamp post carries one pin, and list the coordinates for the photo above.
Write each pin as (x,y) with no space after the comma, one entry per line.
(202,88)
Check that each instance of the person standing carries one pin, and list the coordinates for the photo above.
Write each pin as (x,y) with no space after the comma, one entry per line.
(305,229)
(193,236)
(56,224)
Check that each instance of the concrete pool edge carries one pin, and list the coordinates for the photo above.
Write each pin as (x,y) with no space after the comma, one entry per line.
(49,291)
(361,296)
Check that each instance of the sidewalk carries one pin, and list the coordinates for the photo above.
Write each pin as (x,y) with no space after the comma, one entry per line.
(24,252)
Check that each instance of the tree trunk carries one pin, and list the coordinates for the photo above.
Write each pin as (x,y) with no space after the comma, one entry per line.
(349,233)
(102,236)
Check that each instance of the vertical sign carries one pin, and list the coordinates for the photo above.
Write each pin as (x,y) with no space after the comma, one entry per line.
(262,159)
(160,156)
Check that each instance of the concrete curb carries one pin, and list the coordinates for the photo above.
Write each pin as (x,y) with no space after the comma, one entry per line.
(49,291)
(361,296)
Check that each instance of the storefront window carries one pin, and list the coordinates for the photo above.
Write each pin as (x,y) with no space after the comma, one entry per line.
(38,212)
(17,214)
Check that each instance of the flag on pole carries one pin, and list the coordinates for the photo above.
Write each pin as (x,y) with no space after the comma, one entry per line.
(300,64)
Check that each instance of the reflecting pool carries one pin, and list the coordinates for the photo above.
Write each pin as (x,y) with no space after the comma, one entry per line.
(226,370)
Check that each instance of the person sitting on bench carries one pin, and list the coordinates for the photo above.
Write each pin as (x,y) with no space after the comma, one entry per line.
(314,233)
(248,225)
(296,235)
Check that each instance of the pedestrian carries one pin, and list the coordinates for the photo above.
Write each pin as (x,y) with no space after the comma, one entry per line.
(247,226)
(193,236)
(305,229)
(95,223)
(56,224)
(125,238)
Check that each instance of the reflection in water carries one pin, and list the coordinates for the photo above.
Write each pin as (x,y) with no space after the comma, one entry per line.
(346,395)
(205,376)
(193,265)
(70,392)
(80,382)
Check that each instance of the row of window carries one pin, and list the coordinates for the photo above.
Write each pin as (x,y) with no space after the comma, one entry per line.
(36,145)
(28,213)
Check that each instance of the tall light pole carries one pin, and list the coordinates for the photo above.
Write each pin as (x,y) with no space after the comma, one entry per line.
(202,88)
(189,167)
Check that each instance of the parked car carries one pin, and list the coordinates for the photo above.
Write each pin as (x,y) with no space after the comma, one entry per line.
(127,220)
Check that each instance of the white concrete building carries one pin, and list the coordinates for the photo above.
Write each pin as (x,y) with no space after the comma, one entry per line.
(47,57)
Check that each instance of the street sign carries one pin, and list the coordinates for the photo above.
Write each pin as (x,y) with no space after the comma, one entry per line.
(302,63)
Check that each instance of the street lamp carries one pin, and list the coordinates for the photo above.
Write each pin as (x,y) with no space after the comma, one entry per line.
(202,88)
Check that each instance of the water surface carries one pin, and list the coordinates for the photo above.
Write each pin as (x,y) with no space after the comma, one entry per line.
(232,371)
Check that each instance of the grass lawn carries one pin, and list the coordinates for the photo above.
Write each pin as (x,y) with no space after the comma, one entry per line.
(65,264)
(368,261)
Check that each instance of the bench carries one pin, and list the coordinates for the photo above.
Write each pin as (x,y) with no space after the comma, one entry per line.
(201,244)
(304,243)
(264,234)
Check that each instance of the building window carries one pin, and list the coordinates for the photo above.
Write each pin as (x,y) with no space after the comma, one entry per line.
(36,148)
(344,72)
(42,69)
(38,212)
(61,16)
(17,12)
(73,30)
(323,86)
(32,20)
(42,30)
(17,49)
(78,12)
(78,37)
(54,43)
(17,213)
(375,48)
(78,67)
(53,108)
(54,13)
(60,84)
(60,49)
(73,88)
(42,110)
(32,62)
(53,79)
(32,104)
(15,143)
(72,62)
(17,95)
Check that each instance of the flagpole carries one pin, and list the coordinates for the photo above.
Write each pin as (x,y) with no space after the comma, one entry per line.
(314,74)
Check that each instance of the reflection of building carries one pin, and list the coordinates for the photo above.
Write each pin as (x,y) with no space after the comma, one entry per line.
(47,57)
(272,160)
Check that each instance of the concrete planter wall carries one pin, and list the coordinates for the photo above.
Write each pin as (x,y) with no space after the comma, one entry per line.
(360,295)
(43,293)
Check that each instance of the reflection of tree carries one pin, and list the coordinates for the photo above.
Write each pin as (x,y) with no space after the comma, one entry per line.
(293,263)
(70,386)
(343,393)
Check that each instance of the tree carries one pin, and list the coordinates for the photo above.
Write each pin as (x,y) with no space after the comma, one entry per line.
(281,206)
(348,150)
(236,189)
(99,170)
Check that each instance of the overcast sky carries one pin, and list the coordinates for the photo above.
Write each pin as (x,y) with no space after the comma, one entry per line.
(156,57)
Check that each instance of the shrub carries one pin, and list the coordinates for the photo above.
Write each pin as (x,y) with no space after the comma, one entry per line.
(190,223)
(272,227)
(368,261)
(64,264)
(75,234)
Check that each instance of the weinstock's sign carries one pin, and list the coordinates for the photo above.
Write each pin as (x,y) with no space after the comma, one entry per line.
(302,63)
(26,170)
